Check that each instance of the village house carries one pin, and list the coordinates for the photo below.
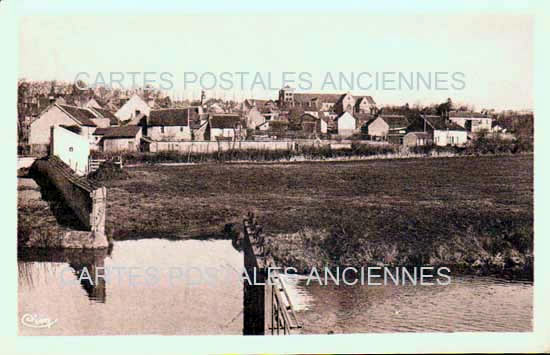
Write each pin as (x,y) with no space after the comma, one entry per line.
(81,119)
(223,127)
(365,104)
(364,120)
(257,111)
(172,124)
(346,124)
(313,124)
(415,139)
(267,108)
(445,132)
(345,103)
(118,139)
(132,108)
(307,101)
(254,118)
(471,121)
(336,104)
(389,128)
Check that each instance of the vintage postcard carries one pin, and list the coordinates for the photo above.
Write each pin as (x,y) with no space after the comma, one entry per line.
(185,171)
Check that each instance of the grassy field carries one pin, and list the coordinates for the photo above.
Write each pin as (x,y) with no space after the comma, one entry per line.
(461,211)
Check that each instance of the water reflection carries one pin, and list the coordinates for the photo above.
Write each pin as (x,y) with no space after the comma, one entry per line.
(171,306)
(34,262)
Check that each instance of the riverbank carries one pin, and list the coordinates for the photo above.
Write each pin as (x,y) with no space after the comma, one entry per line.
(475,213)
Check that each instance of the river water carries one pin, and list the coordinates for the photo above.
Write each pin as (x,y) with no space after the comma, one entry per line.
(174,301)
(467,304)
(192,287)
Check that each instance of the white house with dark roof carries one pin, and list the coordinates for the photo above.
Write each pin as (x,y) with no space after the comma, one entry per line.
(223,127)
(81,119)
(132,108)
(117,139)
(444,131)
(172,124)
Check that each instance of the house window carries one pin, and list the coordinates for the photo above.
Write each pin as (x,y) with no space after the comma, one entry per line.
(181,129)
(161,129)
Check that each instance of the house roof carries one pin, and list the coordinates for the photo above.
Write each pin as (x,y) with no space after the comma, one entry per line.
(101,131)
(224,121)
(119,132)
(81,115)
(106,114)
(440,123)
(341,98)
(395,121)
(170,117)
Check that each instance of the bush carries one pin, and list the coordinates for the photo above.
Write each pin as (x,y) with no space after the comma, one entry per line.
(108,171)
(495,144)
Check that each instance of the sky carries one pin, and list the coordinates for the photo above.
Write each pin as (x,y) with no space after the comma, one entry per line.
(492,51)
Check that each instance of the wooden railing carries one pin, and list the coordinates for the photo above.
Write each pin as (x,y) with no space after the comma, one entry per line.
(282,318)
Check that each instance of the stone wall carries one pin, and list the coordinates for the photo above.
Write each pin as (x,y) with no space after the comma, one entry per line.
(209,147)
(86,200)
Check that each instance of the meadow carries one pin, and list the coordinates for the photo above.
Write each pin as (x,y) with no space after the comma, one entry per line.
(469,212)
